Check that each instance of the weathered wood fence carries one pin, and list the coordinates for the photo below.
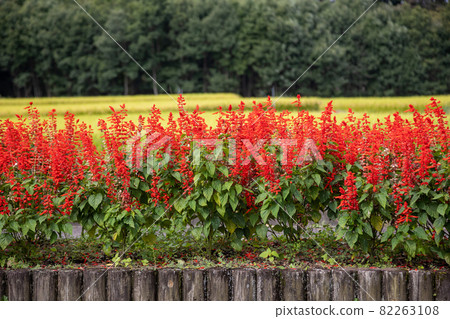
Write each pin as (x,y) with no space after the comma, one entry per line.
(224,284)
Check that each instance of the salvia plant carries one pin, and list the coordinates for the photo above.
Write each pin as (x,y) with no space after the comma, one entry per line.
(256,172)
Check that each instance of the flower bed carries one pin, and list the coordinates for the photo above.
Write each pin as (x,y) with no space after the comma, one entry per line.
(257,172)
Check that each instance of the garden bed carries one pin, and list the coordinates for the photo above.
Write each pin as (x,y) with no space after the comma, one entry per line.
(242,194)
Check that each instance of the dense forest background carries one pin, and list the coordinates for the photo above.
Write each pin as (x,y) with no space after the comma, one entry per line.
(52,48)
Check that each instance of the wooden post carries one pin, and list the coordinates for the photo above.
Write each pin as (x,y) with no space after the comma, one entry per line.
(267,285)
(395,285)
(144,285)
(217,284)
(318,286)
(369,288)
(169,285)
(44,285)
(420,285)
(2,285)
(118,285)
(343,285)
(69,284)
(442,286)
(244,284)
(291,285)
(19,282)
(193,289)
(94,284)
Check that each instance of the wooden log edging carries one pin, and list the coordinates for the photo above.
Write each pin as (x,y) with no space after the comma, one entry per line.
(224,284)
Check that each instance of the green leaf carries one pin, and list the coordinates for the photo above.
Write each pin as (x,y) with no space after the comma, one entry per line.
(5,240)
(24,229)
(296,193)
(278,228)
(224,199)
(367,208)
(202,201)
(343,220)
(149,238)
(420,233)
(99,218)
(32,225)
(351,238)
(217,199)
(395,241)
(309,183)
(368,229)
(286,192)
(15,226)
(387,234)
(67,228)
(290,208)
(442,208)
(239,220)
(265,253)
(236,244)
(261,231)
(404,228)
(177,176)
(223,170)
(317,178)
(130,222)
(221,210)
(180,204)
(211,168)
(447,258)
(227,185)
(265,215)
(193,204)
(95,200)
(233,202)
(376,222)
(144,187)
(230,226)
(254,219)
(207,192)
(215,222)
(333,206)
(197,233)
(82,205)
(439,224)
(260,198)
(275,208)
(414,200)
(217,185)
(410,248)
(238,188)
(314,192)
(423,218)
(316,216)
(382,199)
(363,197)
(438,237)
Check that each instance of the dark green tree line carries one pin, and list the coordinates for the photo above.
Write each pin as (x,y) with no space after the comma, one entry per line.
(52,48)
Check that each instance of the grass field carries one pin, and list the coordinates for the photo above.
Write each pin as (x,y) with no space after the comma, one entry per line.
(90,109)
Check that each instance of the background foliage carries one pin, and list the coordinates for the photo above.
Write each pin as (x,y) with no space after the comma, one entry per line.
(254,48)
